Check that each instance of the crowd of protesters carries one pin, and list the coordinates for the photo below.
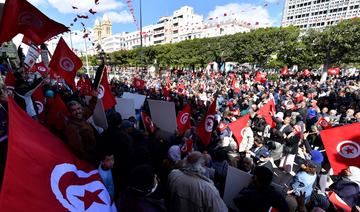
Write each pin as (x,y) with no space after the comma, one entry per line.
(143,171)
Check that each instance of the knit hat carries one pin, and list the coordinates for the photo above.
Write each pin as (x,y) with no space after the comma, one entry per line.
(316,156)
(174,153)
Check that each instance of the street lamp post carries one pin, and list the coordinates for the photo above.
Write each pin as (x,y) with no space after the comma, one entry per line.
(141,33)
(87,60)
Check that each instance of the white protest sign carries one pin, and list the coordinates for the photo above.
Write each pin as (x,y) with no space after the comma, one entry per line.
(236,180)
(99,116)
(31,56)
(138,99)
(163,115)
(126,107)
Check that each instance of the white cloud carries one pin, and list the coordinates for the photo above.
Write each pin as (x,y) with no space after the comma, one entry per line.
(273,1)
(65,6)
(244,12)
(121,17)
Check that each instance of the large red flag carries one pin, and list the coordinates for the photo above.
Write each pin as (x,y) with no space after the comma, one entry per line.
(333,71)
(138,83)
(148,123)
(237,127)
(105,91)
(183,119)
(42,174)
(19,16)
(342,145)
(39,99)
(56,113)
(65,63)
(206,125)
(267,111)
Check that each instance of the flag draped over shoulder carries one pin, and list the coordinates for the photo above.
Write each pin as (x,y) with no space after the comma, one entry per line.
(342,145)
(42,174)
(19,16)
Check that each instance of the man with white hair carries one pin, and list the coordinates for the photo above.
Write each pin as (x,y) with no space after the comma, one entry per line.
(190,190)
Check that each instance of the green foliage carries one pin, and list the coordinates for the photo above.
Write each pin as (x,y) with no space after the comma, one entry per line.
(265,47)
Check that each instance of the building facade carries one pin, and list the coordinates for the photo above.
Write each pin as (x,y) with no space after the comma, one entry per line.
(183,24)
(318,13)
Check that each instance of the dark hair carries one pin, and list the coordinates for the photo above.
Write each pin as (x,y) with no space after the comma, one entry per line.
(142,179)
(259,140)
(263,175)
(115,119)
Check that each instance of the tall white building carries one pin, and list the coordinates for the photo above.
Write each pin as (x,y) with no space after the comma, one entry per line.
(183,24)
(318,13)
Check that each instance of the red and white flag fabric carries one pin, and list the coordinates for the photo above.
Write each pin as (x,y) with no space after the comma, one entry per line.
(205,127)
(183,119)
(338,202)
(342,145)
(325,124)
(57,113)
(235,85)
(306,73)
(39,99)
(237,128)
(41,69)
(148,123)
(139,83)
(65,63)
(260,77)
(267,111)
(19,16)
(10,80)
(284,71)
(105,93)
(84,86)
(333,71)
(63,183)
(222,126)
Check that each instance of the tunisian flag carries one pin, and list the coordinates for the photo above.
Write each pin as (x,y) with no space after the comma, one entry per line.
(235,85)
(323,123)
(342,145)
(306,73)
(267,111)
(19,16)
(65,63)
(284,71)
(42,174)
(333,71)
(183,119)
(237,127)
(138,83)
(206,125)
(148,123)
(105,93)
(10,80)
(338,202)
(260,77)
(41,69)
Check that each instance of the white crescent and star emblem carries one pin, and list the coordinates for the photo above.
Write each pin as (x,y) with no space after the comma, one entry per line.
(184,118)
(39,106)
(30,19)
(209,123)
(77,190)
(101,92)
(348,149)
(40,68)
(324,123)
(137,83)
(66,64)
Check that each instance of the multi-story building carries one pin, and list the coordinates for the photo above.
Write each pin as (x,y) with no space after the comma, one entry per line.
(318,13)
(184,24)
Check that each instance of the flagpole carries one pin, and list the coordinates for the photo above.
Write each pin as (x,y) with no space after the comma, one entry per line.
(71,41)
(87,60)
(141,35)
